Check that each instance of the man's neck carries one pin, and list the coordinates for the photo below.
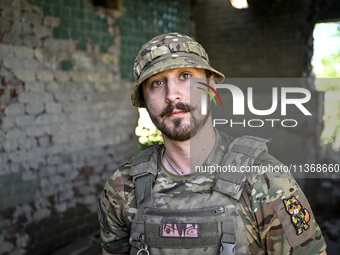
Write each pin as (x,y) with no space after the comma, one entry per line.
(186,155)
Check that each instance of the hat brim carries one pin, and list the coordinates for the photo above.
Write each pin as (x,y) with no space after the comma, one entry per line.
(168,63)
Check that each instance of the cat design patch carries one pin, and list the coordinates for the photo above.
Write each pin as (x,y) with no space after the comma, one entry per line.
(299,216)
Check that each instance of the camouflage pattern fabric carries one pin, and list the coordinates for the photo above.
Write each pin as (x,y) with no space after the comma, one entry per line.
(165,52)
(269,227)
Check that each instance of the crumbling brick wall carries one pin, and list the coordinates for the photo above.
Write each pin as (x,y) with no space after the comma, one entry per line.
(66,119)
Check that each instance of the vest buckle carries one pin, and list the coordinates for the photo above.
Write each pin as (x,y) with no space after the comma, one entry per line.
(144,250)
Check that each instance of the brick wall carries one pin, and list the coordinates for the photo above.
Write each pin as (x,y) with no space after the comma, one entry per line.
(66,119)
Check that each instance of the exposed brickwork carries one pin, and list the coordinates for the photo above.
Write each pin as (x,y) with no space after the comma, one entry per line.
(77,21)
(66,123)
(66,119)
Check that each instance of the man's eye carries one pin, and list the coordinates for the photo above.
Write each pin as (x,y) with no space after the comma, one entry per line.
(157,83)
(185,76)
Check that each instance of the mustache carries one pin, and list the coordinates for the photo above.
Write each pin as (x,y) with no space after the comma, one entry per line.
(180,106)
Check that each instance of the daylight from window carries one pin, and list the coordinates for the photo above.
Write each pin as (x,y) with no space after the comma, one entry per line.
(326,64)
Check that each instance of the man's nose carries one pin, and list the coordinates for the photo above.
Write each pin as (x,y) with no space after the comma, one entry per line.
(174,93)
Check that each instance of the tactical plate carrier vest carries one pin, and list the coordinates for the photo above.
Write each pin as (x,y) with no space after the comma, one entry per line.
(192,223)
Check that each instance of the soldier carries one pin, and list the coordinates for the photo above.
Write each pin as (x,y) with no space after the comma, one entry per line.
(159,204)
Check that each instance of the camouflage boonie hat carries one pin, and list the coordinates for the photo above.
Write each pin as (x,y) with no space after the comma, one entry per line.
(164,52)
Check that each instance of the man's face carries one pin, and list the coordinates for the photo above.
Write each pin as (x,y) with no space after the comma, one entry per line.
(167,97)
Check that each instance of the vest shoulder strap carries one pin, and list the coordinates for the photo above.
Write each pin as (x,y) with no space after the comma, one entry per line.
(241,152)
(144,170)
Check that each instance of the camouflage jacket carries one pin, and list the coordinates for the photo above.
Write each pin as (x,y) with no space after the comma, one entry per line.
(265,207)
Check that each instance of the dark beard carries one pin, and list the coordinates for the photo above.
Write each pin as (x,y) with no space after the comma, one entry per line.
(179,132)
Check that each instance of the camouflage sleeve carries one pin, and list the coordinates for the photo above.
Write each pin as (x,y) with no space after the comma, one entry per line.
(277,215)
(116,210)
